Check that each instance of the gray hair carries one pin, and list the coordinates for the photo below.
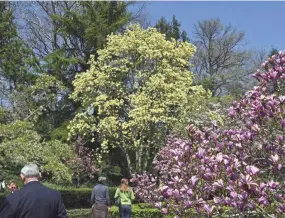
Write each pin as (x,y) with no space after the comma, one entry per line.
(102,179)
(30,170)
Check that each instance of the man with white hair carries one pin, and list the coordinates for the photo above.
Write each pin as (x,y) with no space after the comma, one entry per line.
(34,200)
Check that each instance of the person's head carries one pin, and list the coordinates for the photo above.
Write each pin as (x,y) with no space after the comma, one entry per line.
(30,172)
(124,184)
(102,179)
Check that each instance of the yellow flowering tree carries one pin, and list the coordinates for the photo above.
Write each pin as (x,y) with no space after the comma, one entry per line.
(134,93)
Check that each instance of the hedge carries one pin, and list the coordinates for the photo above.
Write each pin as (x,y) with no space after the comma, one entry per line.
(2,196)
(80,197)
(77,197)
(138,211)
(147,211)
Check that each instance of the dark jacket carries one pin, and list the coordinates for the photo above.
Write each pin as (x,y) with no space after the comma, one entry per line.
(100,194)
(34,200)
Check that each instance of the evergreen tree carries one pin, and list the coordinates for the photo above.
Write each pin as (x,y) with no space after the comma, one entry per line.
(171,29)
(18,65)
(84,30)
(15,57)
(75,31)
(272,52)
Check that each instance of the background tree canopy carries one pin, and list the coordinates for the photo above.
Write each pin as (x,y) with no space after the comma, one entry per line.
(87,91)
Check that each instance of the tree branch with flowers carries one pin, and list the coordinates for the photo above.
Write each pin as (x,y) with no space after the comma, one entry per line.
(238,166)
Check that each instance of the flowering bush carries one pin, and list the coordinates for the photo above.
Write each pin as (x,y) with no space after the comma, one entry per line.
(239,166)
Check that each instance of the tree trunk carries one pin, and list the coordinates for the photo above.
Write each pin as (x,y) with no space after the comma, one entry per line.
(139,159)
(146,159)
(129,166)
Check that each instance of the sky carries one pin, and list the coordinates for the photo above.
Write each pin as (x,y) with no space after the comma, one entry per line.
(262,22)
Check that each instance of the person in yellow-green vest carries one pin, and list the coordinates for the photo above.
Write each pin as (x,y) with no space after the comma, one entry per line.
(125,195)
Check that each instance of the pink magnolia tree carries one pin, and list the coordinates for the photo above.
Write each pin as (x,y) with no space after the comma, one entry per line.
(83,165)
(238,166)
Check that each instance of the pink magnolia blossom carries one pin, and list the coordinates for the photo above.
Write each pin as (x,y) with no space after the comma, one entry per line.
(238,165)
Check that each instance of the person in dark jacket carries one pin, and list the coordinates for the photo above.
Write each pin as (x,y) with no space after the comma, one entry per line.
(100,199)
(34,200)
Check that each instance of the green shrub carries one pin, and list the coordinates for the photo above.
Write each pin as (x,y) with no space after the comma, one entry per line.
(138,211)
(12,173)
(77,197)
(112,191)
(80,197)
(2,196)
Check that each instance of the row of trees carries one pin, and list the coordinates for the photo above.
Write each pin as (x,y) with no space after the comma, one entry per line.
(43,46)
(75,77)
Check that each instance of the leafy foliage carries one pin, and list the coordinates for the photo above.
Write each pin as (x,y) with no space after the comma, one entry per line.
(20,144)
(47,101)
(139,211)
(17,63)
(84,29)
(135,92)
(171,29)
(63,35)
